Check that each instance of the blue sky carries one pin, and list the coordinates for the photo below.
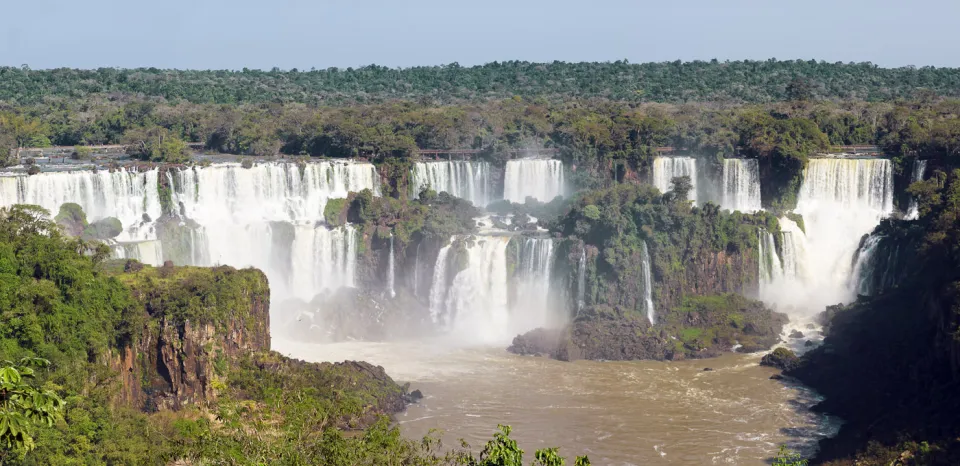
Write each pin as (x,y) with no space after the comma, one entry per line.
(232,34)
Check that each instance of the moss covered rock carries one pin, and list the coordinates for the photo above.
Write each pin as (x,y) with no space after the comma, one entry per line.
(72,219)
(107,228)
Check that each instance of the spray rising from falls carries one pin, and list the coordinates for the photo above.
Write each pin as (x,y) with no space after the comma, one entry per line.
(919,170)
(665,169)
(741,185)
(647,284)
(541,179)
(840,201)
(466,180)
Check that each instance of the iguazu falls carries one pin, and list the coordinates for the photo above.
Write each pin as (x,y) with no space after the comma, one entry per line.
(242,245)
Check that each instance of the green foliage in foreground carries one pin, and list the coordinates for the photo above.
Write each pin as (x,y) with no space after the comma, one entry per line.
(22,405)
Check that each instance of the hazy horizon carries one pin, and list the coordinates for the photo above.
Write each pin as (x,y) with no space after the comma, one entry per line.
(221,34)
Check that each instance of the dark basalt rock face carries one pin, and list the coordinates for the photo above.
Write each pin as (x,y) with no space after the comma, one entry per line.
(782,359)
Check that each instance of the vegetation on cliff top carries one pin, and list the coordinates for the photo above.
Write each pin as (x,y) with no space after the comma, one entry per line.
(681,240)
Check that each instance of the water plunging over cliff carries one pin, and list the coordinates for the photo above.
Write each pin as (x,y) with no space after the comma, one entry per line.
(390,271)
(463,179)
(533,304)
(149,252)
(665,169)
(840,201)
(541,179)
(919,170)
(581,279)
(647,284)
(126,195)
(771,268)
(741,185)
(270,217)
(476,303)
(438,288)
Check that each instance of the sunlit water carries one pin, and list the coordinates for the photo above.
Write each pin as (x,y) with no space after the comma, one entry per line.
(618,413)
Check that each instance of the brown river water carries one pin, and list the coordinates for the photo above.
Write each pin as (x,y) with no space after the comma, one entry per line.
(617,413)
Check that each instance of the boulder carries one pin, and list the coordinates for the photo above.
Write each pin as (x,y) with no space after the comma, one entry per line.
(107,228)
(796,334)
(781,358)
(72,219)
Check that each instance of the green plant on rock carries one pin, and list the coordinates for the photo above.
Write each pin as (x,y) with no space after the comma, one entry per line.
(787,457)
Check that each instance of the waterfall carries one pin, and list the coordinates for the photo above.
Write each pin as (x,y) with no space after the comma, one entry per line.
(741,185)
(794,254)
(323,260)
(438,289)
(771,268)
(126,195)
(476,304)
(390,273)
(532,276)
(840,200)
(269,216)
(647,284)
(665,169)
(877,266)
(463,179)
(919,170)
(581,279)
(541,179)
(149,252)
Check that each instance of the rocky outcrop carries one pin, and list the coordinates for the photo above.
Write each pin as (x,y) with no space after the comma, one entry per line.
(781,358)
(195,321)
(703,327)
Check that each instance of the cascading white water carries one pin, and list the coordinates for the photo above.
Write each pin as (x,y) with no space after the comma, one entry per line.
(840,201)
(581,279)
(665,169)
(533,304)
(741,185)
(771,269)
(541,179)
(647,284)
(876,266)
(463,179)
(149,252)
(270,216)
(794,244)
(862,277)
(390,271)
(476,304)
(126,195)
(919,170)
(438,289)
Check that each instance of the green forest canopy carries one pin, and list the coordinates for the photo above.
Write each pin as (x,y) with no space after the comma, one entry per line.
(737,81)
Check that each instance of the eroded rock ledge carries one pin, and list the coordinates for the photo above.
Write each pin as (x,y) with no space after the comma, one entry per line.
(702,327)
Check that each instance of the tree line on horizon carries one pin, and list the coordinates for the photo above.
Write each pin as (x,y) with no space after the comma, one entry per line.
(745,81)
